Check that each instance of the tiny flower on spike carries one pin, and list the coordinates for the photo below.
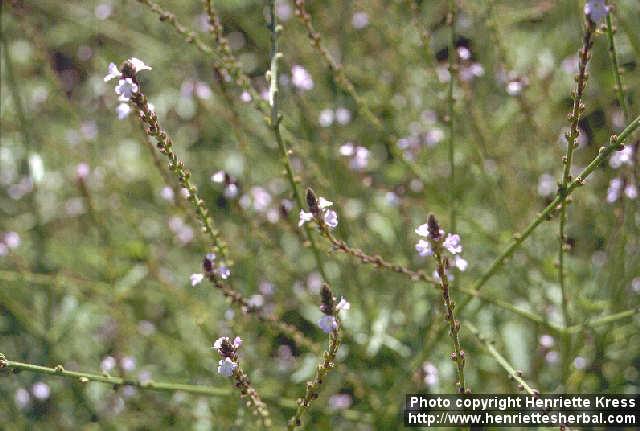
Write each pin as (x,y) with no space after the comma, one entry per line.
(323,203)
(328,324)
(452,243)
(112,72)
(126,89)
(424,248)
(343,304)
(304,217)
(226,367)
(331,218)
(138,64)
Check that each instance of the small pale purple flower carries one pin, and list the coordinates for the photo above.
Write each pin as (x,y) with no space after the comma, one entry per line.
(328,323)
(126,89)
(596,10)
(304,217)
(331,218)
(343,305)
(423,248)
(112,72)
(226,367)
(452,243)
(613,192)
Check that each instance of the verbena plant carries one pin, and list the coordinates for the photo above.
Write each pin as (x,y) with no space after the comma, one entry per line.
(264,224)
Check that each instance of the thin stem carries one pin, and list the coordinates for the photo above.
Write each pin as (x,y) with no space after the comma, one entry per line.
(617,71)
(612,318)
(275,119)
(104,378)
(511,371)
(452,56)
(375,260)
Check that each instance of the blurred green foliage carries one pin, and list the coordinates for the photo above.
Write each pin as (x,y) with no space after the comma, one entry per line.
(104,272)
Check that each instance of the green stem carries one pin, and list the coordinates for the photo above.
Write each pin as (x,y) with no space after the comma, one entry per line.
(513,373)
(450,112)
(275,119)
(617,72)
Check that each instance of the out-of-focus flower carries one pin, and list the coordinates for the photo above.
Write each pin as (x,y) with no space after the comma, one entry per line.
(300,78)
(461,263)
(547,341)
(108,363)
(41,391)
(596,10)
(11,240)
(340,401)
(546,185)
(613,192)
(123,110)
(343,116)
(360,20)
(423,248)
(622,157)
(196,279)
(326,118)
(224,272)
(631,191)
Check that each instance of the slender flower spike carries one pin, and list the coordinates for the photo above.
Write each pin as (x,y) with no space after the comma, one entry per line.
(123,110)
(304,217)
(452,243)
(138,64)
(126,88)
(331,218)
(226,367)
(343,305)
(323,203)
(196,279)
(595,10)
(113,72)
(424,248)
(328,323)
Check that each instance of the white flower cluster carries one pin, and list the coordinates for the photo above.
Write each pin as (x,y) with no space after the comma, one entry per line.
(126,87)
(210,267)
(227,366)
(329,323)
(451,243)
(330,217)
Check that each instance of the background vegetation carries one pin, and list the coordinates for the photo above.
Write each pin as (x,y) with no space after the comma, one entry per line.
(96,252)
